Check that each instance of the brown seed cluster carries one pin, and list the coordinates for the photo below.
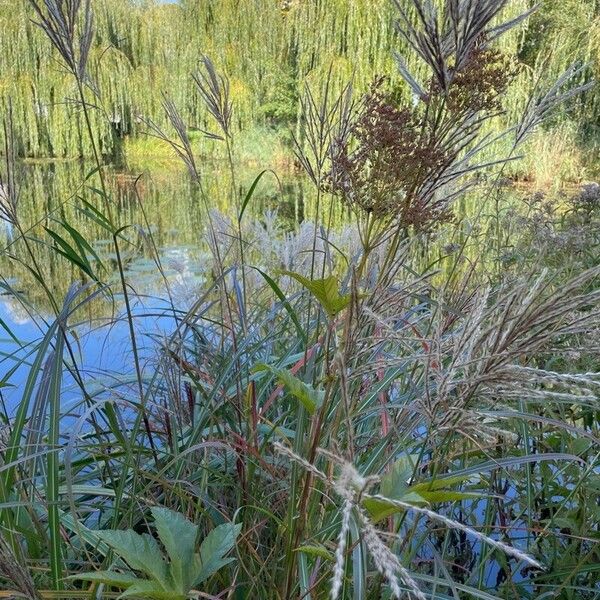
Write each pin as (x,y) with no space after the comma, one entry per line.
(480,84)
(396,161)
(393,155)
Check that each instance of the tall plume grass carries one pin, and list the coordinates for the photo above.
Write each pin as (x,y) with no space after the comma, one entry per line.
(374,427)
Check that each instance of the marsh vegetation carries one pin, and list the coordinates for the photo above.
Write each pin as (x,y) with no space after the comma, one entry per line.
(299,300)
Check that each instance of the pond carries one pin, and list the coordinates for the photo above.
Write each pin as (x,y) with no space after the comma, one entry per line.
(162,209)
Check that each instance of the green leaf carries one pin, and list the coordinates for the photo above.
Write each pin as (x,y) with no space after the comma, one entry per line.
(440,483)
(319,551)
(326,291)
(448,496)
(82,244)
(65,249)
(250,192)
(310,398)
(146,590)
(111,578)
(141,552)
(379,509)
(91,212)
(288,307)
(395,482)
(394,485)
(178,536)
(213,550)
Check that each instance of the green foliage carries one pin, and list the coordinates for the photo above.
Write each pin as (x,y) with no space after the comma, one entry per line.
(169,577)
(326,291)
(310,398)
(144,48)
(448,386)
(395,485)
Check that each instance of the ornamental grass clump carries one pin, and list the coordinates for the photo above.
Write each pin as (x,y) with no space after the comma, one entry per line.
(328,416)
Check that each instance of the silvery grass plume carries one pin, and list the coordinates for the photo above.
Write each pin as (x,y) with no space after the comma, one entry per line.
(214,91)
(12,571)
(352,487)
(59,19)
(473,350)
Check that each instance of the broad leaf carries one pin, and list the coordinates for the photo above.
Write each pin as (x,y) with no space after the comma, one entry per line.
(394,485)
(379,509)
(141,552)
(395,482)
(326,291)
(310,398)
(213,550)
(178,536)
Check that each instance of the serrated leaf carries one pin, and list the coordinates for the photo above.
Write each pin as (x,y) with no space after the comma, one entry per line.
(213,549)
(326,291)
(111,578)
(178,536)
(141,552)
(310,398)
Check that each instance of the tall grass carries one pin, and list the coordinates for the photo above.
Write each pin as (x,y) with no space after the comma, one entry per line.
(349,417)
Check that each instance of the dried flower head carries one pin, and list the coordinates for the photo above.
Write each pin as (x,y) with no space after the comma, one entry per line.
(480,84)
(383,166)
(59,19)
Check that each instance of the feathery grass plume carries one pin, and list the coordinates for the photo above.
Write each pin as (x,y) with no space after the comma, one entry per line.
(470,358)
(353,487)
(214,91)
(12,570)
(541,103)
(386,561)
(183,147)
(60,21)
(453,524)
(9,191)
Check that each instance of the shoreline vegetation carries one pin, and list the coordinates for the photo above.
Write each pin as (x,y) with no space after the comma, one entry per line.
(394,396)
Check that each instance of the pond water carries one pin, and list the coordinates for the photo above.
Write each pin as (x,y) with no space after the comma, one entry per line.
(161,200)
